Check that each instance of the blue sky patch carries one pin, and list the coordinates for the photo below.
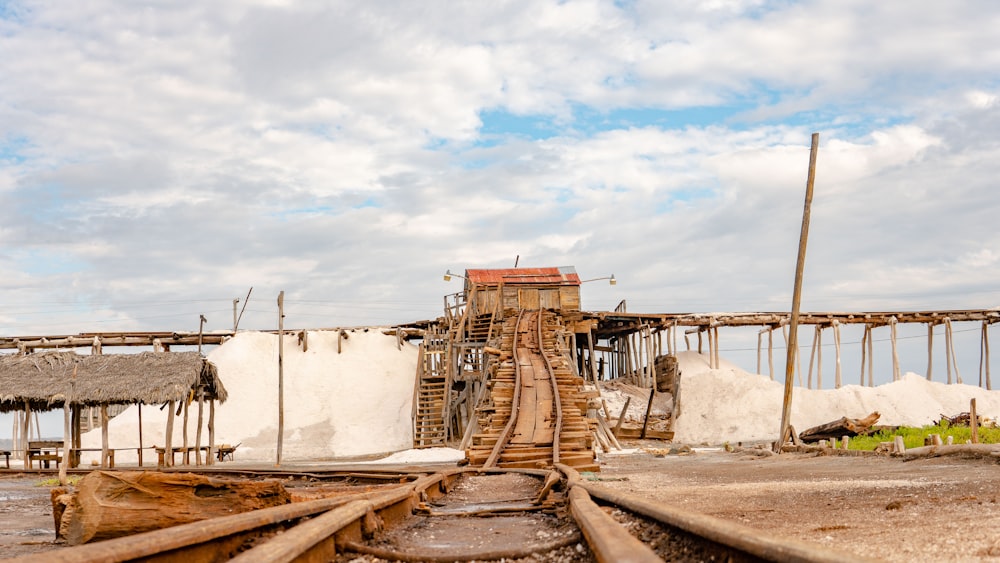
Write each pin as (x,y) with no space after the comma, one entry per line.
(286,214)
(533,126)
(12,11)
(47,263)
(11,150)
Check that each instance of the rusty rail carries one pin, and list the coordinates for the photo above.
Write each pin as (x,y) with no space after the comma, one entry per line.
(737,538)
(318,530)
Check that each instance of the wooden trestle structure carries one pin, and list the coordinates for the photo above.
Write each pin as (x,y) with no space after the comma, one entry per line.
(536,416)
(628,337)
(462,382)
(630,347)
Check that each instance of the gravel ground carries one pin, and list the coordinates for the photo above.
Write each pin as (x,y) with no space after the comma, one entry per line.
(939,509)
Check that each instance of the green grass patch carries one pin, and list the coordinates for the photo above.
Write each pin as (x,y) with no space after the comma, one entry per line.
(54,482)
(914,437)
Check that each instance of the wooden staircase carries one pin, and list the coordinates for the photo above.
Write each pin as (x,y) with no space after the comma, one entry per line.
(431,395)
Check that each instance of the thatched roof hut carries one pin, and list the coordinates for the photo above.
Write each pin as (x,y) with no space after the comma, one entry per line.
(43,379)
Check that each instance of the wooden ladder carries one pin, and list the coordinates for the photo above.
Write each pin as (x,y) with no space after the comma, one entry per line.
(431,396)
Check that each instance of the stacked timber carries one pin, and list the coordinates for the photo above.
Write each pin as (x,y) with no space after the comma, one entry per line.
(531,360)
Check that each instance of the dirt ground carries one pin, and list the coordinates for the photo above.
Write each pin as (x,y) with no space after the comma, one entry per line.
(940,509)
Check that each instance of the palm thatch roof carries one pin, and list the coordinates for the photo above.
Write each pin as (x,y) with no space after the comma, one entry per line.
(45,380)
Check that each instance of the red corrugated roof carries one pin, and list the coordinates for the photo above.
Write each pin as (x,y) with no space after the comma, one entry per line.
(563,275)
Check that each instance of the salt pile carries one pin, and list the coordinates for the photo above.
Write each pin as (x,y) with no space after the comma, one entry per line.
(353,403)
(731,405)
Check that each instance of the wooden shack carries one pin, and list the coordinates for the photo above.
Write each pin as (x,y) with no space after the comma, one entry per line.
(53,380)
(525,288)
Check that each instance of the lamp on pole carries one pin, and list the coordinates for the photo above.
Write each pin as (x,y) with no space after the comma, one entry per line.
(611,279)
(448,274)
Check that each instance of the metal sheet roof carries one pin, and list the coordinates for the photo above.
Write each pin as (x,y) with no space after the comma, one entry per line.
(563,275)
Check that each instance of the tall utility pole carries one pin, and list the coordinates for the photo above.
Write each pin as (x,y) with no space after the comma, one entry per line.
(793,328)
(281,373)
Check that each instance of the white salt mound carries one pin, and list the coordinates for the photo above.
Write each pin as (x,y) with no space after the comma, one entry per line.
(731,405)
(336,404)
(423,455)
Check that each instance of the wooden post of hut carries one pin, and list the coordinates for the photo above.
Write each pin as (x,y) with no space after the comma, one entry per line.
(186,457)
(169,438)
(77,438)
(104,434)
(67,431)
(140,434)
(211,432)
(201,420)
(201,393)
(24,434)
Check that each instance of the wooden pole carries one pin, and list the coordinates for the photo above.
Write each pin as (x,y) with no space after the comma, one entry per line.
(67,433)
(77,411)
(591,359)
(760,339)
(184,430)
(201,394)
(652,361)
(871,357)
(201,420)
(973,421)
(281,374)
(770,353)
(930,350)
(986,354)
(211,432)
(104,434)
(24,433)
(649,407)
(140,434)
(168,455)
(812,358)
(982,342)
(947,348)
(951,347)
(895,349)
(621,415)
(793,341)
(711,347)
(864,341)
(715,337)
(838,375)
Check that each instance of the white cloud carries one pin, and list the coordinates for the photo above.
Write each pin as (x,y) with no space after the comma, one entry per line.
(186,151)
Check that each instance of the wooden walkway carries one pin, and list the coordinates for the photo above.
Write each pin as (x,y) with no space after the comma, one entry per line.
(536,413)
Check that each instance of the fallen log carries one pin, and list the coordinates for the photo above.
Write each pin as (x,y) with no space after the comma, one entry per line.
(838,428)
(969,451)
(109,504)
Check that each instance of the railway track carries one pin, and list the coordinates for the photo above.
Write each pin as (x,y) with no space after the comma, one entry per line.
(537,416)
(460,514)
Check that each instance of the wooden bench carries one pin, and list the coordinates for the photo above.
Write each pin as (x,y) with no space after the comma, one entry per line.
(162,452)
(44,451)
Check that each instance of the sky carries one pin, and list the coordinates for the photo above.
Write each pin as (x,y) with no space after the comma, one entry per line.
(160,158)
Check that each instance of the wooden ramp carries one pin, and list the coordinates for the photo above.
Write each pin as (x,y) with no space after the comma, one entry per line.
(536,374)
